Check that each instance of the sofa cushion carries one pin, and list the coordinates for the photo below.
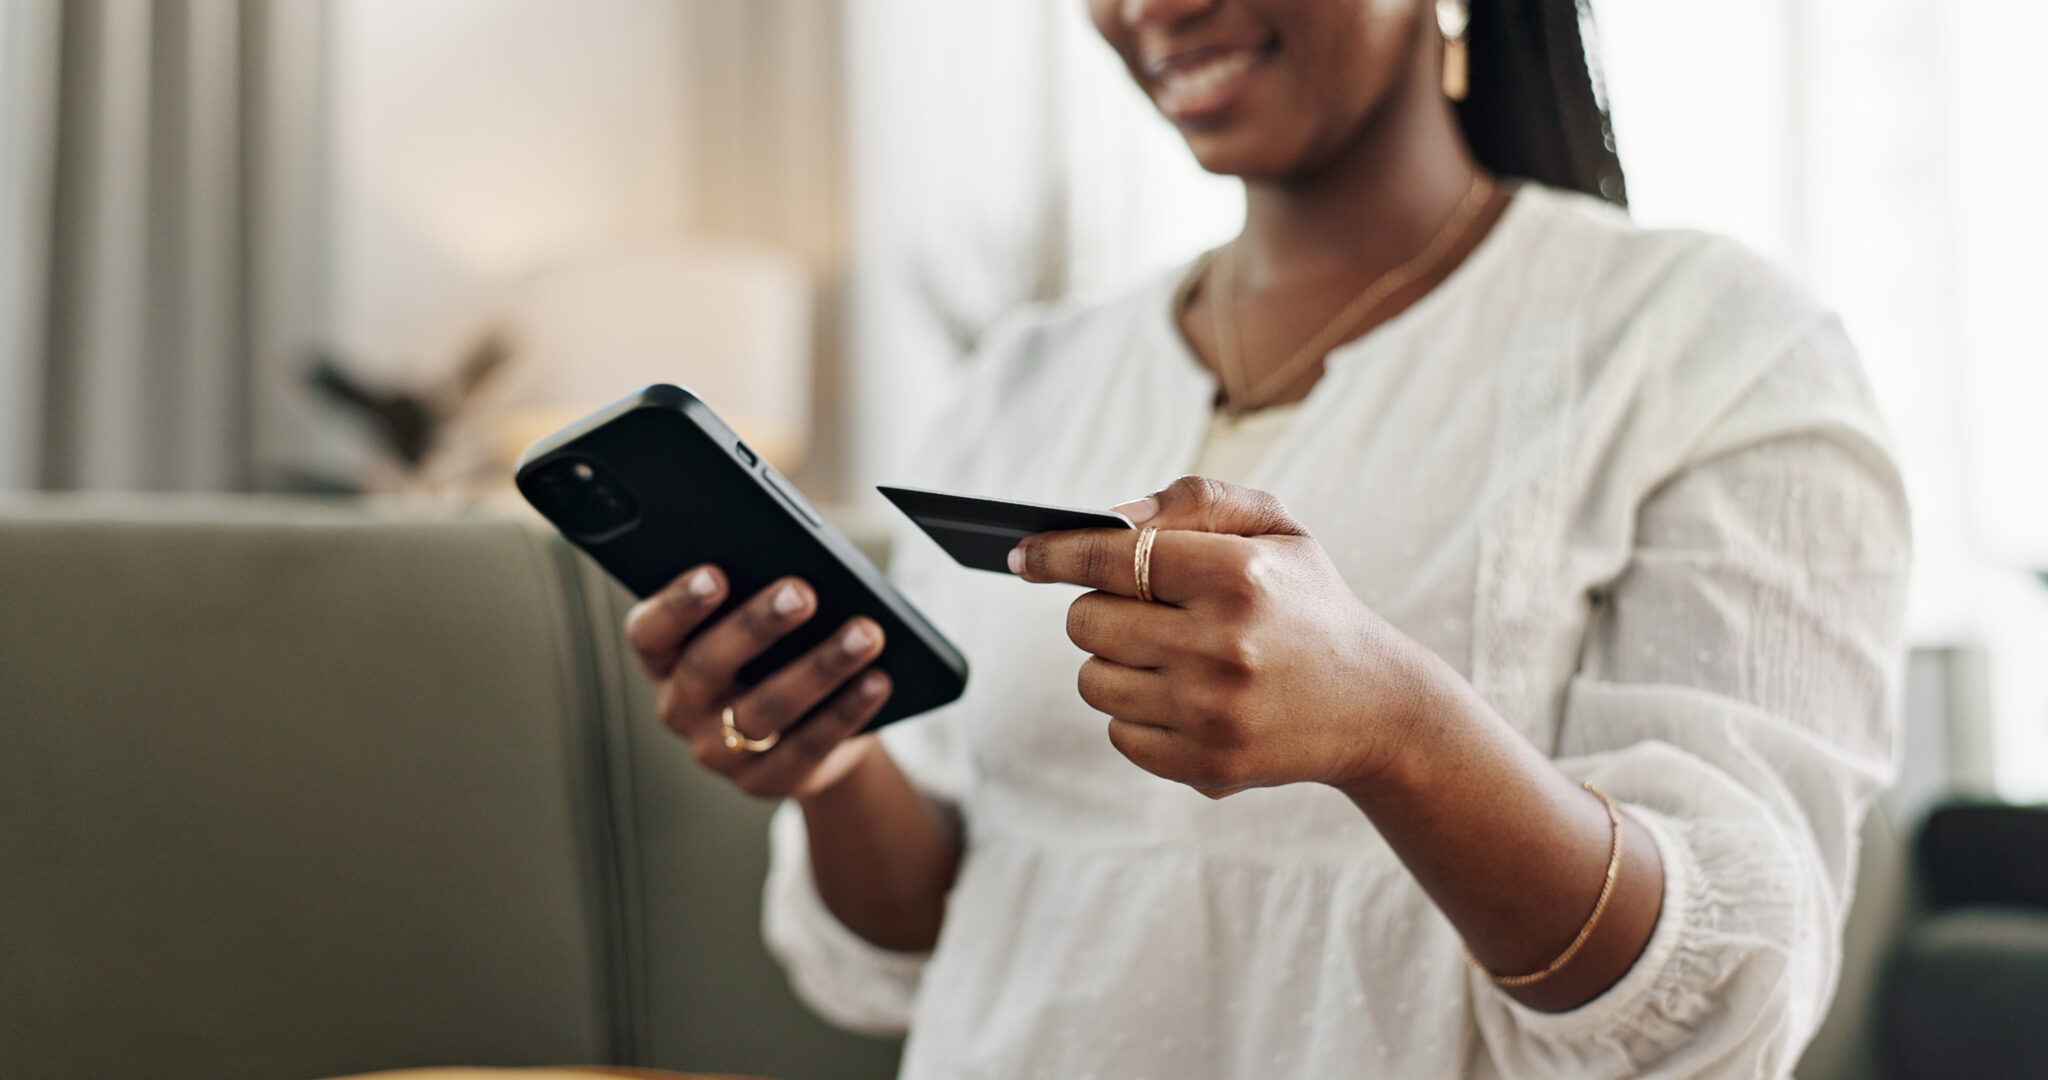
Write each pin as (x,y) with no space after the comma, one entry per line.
(693,855)
(1965,995)
(289,791)
(1985,854)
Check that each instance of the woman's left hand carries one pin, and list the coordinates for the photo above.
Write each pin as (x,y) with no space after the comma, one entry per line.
(1255,666)
(1258,667)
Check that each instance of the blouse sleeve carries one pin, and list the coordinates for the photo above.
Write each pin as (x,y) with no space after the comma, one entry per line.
(839,974)
(836,972)
(1737,692)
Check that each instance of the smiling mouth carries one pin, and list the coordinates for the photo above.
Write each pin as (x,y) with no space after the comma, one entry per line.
(1201,85)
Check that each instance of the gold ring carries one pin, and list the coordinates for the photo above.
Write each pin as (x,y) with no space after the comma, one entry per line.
(1142,564)
(735,739)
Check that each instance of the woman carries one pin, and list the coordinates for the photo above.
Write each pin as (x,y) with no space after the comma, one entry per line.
(1515,715)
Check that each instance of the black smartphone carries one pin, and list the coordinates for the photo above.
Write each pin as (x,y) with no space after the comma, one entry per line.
(657,483)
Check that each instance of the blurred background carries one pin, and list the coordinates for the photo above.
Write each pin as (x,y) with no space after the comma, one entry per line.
(371,248)
(378,245)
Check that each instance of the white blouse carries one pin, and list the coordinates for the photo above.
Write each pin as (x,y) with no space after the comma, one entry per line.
(1630,483)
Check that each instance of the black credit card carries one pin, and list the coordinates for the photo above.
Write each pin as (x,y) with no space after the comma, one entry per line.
(979,533)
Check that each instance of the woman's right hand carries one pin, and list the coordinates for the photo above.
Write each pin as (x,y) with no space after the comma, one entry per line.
(695,677)
(883,855)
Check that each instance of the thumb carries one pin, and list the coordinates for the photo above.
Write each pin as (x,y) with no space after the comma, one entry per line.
(1199,504)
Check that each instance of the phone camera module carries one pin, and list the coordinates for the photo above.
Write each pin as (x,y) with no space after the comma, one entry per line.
(583,499)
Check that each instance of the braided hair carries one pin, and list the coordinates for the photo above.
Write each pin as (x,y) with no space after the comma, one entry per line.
(1535,104)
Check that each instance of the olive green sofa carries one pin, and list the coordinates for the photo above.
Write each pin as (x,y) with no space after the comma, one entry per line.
(291,789)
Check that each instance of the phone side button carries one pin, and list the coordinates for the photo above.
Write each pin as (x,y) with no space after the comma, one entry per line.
(790,497)
(745,454)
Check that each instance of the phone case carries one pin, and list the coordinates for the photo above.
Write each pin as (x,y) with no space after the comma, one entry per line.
(657,483)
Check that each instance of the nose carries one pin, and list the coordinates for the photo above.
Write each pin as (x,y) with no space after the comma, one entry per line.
(1141,13)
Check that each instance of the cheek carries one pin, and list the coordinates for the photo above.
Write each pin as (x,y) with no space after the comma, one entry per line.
(1108,24)
(1340,62)
(1358,50)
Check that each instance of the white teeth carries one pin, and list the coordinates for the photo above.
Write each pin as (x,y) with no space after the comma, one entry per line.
(1187,86)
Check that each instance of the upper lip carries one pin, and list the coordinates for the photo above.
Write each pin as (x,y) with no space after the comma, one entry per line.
(1158,67)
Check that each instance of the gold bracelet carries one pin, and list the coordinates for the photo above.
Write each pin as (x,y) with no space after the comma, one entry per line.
(1586,931)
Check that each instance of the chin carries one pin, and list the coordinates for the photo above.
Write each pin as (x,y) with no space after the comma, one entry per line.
(1248,153)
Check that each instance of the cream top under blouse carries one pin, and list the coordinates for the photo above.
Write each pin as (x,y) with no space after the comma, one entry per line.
(1630,483)
(1234,445)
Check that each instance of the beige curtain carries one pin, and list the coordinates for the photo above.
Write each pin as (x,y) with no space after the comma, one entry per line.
(161,214)
(27,92)
(766,151)
(766,123)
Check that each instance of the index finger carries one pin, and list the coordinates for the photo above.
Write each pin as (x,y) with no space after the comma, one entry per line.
(657,626)
(1106,559)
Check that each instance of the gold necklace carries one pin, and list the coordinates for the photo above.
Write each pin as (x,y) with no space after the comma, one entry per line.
(1223,315)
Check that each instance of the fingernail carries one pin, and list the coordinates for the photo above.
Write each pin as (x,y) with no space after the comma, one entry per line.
(1016,559)
(788,601)
(871,684)
(700,586)
(856,640)
(1138,511)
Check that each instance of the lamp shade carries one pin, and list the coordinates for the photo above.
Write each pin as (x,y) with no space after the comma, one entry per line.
(731,322)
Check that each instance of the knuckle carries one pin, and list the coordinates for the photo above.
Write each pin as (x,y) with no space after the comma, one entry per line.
(1199,492)
(1235,655)
(1096,558)
(1216,716)
(648,638)
(1089,683)
(640,634)
(1238,569)
(822,665)
(1209,718)
(768,710)
(1219,772)
(828,663)
(1271,508)
(676,722)
(1084,619)
(672,601)
(825,732)
(1277,517)
(694,663)
(1201,772)
(1037,560)
(820,734)
(1122,740)
(758,784)
(669,706)
(852,703)
(1181,699)
(759,621)
(875,694)
(706,754)
(1262,568)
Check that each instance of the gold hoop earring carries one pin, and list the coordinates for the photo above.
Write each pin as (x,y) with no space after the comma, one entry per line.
(1452,16)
